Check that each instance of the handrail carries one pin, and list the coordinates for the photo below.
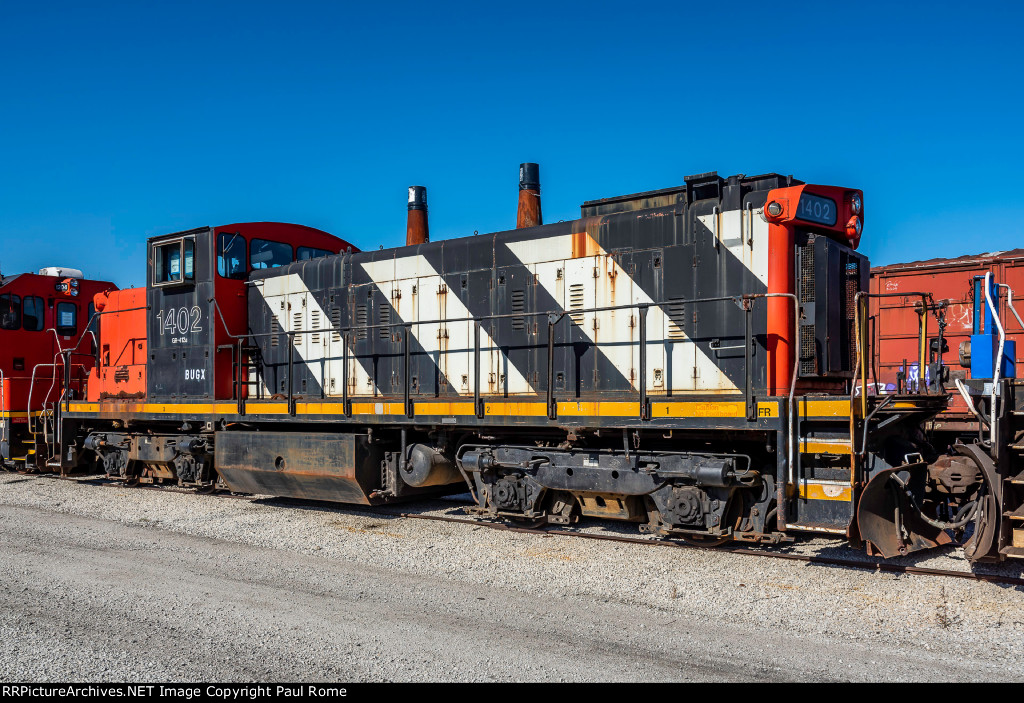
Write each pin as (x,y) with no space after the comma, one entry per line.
(554,316)
(860,322)
(1009,302)
(495,316)
(31,388)
(996,373)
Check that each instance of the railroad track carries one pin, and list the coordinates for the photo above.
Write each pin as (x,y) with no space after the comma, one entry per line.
(860,564)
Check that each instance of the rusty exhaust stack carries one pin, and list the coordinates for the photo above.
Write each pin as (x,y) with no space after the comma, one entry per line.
(416,230)
(529,197)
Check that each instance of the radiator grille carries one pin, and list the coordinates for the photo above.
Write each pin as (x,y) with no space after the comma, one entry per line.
(807,273)
(808,357)
(849,302)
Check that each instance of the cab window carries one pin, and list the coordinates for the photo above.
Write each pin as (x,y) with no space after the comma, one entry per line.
(264,254)
(307,253)
(174,261)
(67,319)
(231,256)
(94,321)
(32,314)
(10,311)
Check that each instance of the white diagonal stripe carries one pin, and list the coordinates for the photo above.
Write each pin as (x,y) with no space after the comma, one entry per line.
(312,349)
(688,369)
(736,231)
(417,292)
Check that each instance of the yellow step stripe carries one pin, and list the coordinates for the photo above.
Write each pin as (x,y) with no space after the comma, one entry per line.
(824,408)
(825,491)
(823,446)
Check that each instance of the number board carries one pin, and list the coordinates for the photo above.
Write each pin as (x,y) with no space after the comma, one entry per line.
(815,208)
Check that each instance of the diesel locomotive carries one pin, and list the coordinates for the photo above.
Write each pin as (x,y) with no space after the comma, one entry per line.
(687,359)
(47,347)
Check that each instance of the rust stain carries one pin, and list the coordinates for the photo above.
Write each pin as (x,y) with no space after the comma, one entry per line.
(584,245)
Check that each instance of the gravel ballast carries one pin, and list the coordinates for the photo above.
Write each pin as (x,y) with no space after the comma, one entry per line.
(100,583)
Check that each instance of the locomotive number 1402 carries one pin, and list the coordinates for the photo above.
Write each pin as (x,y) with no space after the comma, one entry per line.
(180,321)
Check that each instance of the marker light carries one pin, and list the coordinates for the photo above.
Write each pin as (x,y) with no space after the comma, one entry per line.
(854,228)
(774,209)
(855,204)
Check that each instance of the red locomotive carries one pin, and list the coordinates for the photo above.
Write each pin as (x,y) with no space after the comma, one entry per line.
(48,347)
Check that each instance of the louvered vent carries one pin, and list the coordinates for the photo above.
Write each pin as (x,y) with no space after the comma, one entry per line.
(361,322)
(518,307)
(297,326)
(385,319)
(336,324)
(275,331)
(314,317)
(676,319)
(576,302)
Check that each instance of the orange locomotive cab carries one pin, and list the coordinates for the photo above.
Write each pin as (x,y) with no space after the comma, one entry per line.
(120,372)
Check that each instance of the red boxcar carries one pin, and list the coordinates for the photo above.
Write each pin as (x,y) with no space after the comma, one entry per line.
(895,336)
(45,323)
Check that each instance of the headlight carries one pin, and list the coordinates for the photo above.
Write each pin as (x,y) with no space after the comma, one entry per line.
(774,209)
(857,225)
(856,204)
(74,283)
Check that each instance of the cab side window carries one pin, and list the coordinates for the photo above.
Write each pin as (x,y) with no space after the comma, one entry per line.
(67,319)
(264,254)
(32,314)
(10,311)
(307,253)
(231,256)
(174,261)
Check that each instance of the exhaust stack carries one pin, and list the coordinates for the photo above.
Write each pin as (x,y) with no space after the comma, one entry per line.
(416,229)
(529,197)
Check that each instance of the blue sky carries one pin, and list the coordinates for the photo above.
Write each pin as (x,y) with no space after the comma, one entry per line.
(120,121)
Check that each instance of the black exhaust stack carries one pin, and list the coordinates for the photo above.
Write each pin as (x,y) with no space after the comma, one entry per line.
(416,229)
(529,196)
